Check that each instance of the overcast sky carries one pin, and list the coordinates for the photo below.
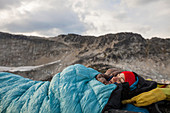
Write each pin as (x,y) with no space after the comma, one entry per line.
(150,18)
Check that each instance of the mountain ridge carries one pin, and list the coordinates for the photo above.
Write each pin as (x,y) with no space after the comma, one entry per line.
(124,50)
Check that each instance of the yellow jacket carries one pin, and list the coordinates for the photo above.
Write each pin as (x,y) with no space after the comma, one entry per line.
(149,97)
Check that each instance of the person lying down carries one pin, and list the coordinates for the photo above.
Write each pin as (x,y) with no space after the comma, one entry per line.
(76,89)
(138,95)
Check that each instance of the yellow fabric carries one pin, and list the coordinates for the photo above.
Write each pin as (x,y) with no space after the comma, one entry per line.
(149,79)
(168,86)
(147,98)
(166,91)
(160,85)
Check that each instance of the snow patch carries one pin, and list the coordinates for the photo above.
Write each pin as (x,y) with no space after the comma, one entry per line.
(25,68)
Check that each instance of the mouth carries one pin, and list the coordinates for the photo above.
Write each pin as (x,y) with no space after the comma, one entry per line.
(110,82)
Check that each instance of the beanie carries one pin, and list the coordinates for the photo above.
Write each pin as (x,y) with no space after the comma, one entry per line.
(129,77)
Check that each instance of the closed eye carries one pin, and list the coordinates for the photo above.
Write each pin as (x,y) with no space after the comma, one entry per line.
(121,80)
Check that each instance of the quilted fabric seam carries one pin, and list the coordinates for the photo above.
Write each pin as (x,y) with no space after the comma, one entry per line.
(77,88)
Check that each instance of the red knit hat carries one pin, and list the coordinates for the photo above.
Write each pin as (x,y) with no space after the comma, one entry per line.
(129,77)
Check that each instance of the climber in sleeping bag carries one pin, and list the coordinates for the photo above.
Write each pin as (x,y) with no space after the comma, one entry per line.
(76,89)
(129,84)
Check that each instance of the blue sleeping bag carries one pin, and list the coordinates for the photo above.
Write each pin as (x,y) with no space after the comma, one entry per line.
(74,90)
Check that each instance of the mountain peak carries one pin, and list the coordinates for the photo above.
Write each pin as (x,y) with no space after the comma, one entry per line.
(124,50)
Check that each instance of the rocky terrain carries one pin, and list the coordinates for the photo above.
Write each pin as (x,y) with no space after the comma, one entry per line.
(40,58)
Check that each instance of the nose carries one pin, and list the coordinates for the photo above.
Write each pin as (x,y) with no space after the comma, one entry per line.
(115,79)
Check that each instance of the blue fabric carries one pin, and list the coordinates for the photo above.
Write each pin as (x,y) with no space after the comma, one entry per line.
(74,90)
(131,107)
(134,85)
(110,78)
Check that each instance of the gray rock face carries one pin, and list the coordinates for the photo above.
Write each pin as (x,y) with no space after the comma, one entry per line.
(148,57)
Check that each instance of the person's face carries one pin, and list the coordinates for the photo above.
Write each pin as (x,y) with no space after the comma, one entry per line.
(120,78)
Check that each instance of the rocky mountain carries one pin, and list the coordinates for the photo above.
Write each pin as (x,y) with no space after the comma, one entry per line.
(48,56)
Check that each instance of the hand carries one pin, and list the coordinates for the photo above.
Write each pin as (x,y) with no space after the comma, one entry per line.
(101,78)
